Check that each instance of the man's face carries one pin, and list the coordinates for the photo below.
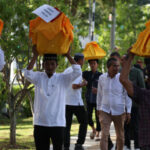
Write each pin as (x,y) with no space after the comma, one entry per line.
(114,68)
(116,57)
(81,62)
(50,66)
(93,65)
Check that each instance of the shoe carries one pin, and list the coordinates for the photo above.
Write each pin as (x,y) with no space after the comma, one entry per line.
(92,135)
(78,147)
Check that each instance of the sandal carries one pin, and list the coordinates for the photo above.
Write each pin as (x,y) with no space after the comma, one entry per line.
(92,135)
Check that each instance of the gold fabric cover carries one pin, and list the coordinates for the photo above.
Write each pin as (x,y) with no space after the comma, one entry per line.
(142,45)
(1,26)
(93,51)
(54,37)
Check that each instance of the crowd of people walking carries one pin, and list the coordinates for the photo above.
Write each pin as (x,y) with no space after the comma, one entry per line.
(105,95)
(119,95)
(59,96)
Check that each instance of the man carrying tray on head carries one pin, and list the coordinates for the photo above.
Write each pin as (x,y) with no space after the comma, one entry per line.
(49,101)
(75,106)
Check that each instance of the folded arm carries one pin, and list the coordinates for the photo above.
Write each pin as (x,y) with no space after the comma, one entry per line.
(80,85)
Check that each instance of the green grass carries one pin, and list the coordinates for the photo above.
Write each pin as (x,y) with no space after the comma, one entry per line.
(24,134)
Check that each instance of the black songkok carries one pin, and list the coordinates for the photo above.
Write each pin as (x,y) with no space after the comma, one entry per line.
(78,56)
(50,57)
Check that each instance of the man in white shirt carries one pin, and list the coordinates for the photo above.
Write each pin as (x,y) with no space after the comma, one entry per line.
(113,104)
(75,106)
(49,101)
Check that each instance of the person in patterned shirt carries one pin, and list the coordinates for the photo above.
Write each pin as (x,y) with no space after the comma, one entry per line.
(142,98)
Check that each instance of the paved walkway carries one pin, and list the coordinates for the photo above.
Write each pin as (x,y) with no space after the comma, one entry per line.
(94,145)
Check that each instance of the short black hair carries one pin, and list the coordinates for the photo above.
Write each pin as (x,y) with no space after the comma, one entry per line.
(93,60)
(50,57)
(78,56)
(115,54)
(110,61)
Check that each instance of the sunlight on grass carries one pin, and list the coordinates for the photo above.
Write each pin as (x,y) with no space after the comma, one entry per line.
(24,133)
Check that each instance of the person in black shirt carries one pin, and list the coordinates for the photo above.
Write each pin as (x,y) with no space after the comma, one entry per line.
(91,91)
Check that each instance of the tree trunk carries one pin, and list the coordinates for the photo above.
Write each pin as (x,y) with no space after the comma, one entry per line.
(31,103)
(93,20)
(12,123)
(90,19)
(11,102)
(112,43)
(74,7)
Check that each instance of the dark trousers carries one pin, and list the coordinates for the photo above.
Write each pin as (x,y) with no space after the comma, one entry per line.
(81,115)
(110,143)
(42,136)
(90,108)
(131,129)
(145,148)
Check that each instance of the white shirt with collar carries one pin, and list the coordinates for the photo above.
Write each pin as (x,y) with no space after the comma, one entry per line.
(49,99)
(74,96)
(2,61)
(111,96)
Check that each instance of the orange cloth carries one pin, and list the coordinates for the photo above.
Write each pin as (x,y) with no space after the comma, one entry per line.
(54,37)
(142,45)
(93,51)
(1,26)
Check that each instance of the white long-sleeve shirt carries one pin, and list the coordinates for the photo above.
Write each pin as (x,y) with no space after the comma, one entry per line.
(2,60)
(111,96)
(49,99)
(74,96)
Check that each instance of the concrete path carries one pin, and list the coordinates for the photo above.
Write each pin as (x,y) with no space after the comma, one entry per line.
(94,145)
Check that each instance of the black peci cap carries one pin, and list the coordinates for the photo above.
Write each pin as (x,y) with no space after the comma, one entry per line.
(78,56)
(50,57)
(93,60)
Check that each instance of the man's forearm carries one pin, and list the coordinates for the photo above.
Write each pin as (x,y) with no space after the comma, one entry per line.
(126,67)
(32,62)
(78,86)
(126,64)
(71,60)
